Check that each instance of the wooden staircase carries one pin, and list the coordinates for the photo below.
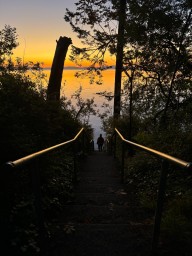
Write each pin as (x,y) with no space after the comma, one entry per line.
(104,218)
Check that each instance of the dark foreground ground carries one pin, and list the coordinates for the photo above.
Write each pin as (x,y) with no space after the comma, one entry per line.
(104,218)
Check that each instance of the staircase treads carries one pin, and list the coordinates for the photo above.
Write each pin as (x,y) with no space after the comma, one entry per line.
(109,213)
(94,188)
(103,240)
(117,197)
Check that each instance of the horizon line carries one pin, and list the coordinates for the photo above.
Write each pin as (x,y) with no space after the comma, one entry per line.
(74,67)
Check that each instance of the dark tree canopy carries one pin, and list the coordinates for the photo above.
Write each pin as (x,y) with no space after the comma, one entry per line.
(8,41)
(157,45)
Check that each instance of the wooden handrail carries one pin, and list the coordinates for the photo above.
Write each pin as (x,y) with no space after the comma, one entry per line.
(175,160)
(35,181)
(30,157)
(162,184)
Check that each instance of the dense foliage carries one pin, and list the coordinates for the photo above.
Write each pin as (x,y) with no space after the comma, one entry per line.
(156,106)
(29,123)
(157,51)
(156,94)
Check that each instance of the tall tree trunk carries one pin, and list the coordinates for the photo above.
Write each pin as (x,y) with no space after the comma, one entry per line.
(119,59)
(131,106)
(54,86)
(131,77)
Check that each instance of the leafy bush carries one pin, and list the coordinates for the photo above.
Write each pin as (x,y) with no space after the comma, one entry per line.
(177,225)
(29,124)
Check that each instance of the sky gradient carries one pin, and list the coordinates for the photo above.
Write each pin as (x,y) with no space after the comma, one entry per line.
(39,24)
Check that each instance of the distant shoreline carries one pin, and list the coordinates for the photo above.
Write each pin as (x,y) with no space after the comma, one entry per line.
(77,68)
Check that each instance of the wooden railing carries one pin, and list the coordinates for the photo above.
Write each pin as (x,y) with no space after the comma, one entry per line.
(31,160)
(166,160)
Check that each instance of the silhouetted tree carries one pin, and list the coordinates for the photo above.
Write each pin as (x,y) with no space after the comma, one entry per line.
(157,45)
(54,86)
(119,58)
(8,41)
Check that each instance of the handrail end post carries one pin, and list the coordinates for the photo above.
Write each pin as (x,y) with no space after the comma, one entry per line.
(123,163)
(115,142)
(36,184)
(159,207)
(8,166)
(74,175)
(189,166)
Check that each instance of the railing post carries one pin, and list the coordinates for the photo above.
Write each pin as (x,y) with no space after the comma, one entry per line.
(110,146)
(83,142)
(38,205)
(115,145)
(159,207)
(74,178)
(5,203)
(122,162)
(92,146)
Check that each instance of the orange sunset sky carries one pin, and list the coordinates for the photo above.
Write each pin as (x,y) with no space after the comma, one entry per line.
(39,24)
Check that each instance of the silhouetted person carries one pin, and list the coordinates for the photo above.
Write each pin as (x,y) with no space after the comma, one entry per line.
(100,142)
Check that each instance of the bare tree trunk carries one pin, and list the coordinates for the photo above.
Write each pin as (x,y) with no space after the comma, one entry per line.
(131,77)
(54,86)
(131,106)
(119,59)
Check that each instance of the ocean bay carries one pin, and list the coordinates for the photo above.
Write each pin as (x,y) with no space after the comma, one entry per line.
(70,84)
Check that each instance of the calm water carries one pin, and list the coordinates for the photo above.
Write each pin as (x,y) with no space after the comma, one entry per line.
(70,84)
